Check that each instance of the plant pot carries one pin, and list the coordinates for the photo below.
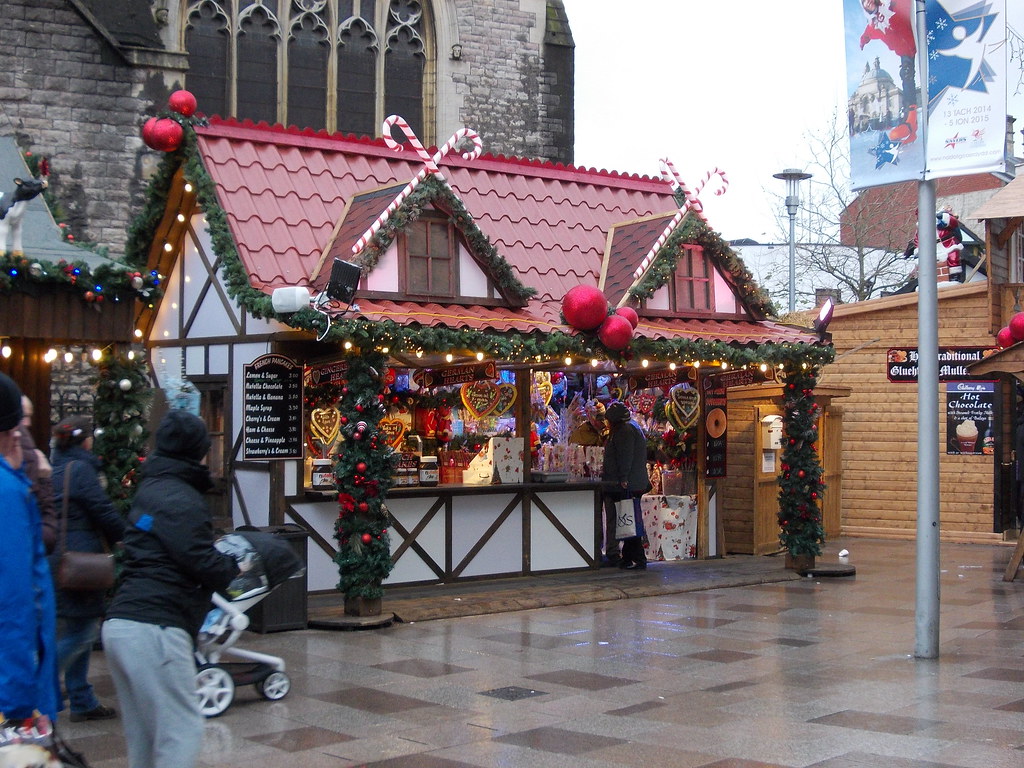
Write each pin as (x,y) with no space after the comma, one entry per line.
(362,606)
(799,563)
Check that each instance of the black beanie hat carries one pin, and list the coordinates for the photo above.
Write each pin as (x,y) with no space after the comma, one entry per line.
(182,435)
(10,403)
(617,413)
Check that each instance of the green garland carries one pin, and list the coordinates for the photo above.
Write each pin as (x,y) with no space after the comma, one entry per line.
(693,230)
(363,469)
(800,482)
(431,190)
(123,396)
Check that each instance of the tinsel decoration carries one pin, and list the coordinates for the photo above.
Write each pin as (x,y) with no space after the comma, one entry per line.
(800,480)
(121,415)
(363,469)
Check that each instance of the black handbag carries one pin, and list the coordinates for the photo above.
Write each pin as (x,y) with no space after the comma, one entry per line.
(80,571)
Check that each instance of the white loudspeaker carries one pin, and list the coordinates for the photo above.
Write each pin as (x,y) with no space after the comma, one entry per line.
(290,299)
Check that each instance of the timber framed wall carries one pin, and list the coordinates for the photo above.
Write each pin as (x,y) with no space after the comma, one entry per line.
(879,451)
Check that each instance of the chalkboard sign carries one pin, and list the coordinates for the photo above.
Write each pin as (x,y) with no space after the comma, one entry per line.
(272,408)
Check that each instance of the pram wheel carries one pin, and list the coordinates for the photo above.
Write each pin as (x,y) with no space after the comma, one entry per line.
(215,689)
(274,686)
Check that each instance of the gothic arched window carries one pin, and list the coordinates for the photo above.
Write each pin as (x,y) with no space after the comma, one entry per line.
(343,65)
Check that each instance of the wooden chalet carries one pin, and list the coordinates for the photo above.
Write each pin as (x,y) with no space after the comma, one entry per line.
(876,343)
(244,210)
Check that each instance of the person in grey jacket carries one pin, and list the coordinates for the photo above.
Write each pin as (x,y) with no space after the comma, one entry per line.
(171,570)
(625,476)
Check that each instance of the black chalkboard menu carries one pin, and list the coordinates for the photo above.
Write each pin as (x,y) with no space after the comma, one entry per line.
(272,408)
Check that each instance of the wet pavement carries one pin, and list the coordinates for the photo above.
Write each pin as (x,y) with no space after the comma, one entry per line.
(733,663)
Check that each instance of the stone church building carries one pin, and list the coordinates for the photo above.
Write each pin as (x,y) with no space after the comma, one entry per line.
(79,77)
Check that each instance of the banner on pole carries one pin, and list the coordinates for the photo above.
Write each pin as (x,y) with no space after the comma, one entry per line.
(966,89)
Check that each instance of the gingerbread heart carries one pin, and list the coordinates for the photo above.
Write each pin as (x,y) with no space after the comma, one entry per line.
(324,424)
(641,403)
(685,405)
(507,394)
(480,397)
(393,431)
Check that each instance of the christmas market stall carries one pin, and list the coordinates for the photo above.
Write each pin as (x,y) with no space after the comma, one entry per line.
(407,350)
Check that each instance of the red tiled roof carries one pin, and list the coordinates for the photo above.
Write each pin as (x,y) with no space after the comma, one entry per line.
(284,191)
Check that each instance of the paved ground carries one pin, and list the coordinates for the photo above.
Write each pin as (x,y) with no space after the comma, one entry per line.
(800,672)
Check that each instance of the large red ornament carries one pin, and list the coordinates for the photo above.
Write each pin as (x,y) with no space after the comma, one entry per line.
(1017,326)
(1004,337)
(615,332)
(584,307)
(182,102)
(630,314)
(147,131)
(165,135)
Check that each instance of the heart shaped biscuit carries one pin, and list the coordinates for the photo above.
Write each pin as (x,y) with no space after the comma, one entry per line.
(480,397)
(393,431)
(685,405)
(506,399)
(324,424)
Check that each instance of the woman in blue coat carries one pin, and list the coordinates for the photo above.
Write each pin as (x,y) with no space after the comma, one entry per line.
(28,674)
(91,520)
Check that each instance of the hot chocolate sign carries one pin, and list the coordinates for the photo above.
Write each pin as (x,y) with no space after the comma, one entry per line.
(970,406)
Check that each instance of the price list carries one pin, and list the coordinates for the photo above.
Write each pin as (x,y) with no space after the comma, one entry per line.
(272,386)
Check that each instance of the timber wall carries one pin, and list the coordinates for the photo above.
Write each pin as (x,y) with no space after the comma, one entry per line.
(879,449)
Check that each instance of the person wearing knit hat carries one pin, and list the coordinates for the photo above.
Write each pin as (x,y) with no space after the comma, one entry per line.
(92,524)
(10,403)
(625,475)
(28,675)
(171,569)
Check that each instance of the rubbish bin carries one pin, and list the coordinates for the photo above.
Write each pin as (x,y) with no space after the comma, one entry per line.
(285,607)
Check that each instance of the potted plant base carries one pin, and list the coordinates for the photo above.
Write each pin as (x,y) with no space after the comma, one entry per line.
(362,606)
(799,563)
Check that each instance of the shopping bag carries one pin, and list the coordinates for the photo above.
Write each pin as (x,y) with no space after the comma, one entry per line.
(625,519)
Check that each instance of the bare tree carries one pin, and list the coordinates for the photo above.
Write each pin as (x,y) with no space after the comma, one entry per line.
(850,242)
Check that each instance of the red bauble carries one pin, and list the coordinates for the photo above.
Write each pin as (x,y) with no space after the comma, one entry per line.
(367,538)
(90,296)
(630,314)
(1004,337)
(147,131)
(584,307)
(1017,326)
(615,332)
(361,467)
(363,506)
(165,135)
(182,102)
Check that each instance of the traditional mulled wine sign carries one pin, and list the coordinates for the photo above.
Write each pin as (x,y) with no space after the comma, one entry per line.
(272,408)
(902,362)
(457,374)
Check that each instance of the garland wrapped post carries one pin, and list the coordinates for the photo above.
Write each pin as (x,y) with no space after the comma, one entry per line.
(123,396)
(363,469)
(800,481)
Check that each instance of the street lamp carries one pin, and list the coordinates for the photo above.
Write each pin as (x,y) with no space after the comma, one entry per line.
(792,177)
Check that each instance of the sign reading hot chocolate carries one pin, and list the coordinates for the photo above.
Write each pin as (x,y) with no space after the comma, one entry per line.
(272,408)
(970,406)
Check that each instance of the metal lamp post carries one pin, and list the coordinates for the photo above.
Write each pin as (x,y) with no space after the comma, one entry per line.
(792,177)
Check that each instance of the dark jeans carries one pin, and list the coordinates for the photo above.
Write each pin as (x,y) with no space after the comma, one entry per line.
(75,638)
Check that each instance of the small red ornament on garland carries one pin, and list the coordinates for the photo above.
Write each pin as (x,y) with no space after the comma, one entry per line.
(361,467)
(366,538)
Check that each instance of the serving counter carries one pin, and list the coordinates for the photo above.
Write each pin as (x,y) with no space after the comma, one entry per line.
(449,533)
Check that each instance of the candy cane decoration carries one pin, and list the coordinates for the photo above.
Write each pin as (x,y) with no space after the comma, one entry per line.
(429,167)
(691,203)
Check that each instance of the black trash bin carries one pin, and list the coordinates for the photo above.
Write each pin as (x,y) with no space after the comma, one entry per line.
(285,607)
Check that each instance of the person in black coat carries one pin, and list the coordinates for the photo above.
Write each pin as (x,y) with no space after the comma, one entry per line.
(171,569)
(625,475)
(91,520)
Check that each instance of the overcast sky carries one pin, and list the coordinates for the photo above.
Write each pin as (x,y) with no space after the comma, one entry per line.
(733,84)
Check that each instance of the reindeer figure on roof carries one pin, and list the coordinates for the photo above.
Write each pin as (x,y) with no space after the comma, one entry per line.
(12,210)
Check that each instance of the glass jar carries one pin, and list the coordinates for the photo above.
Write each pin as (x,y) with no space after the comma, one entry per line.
(429,473)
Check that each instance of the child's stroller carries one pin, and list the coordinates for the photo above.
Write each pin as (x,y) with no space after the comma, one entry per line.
(266,562)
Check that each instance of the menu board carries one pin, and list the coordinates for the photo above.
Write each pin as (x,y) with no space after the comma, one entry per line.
(970,406)
(272,408)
